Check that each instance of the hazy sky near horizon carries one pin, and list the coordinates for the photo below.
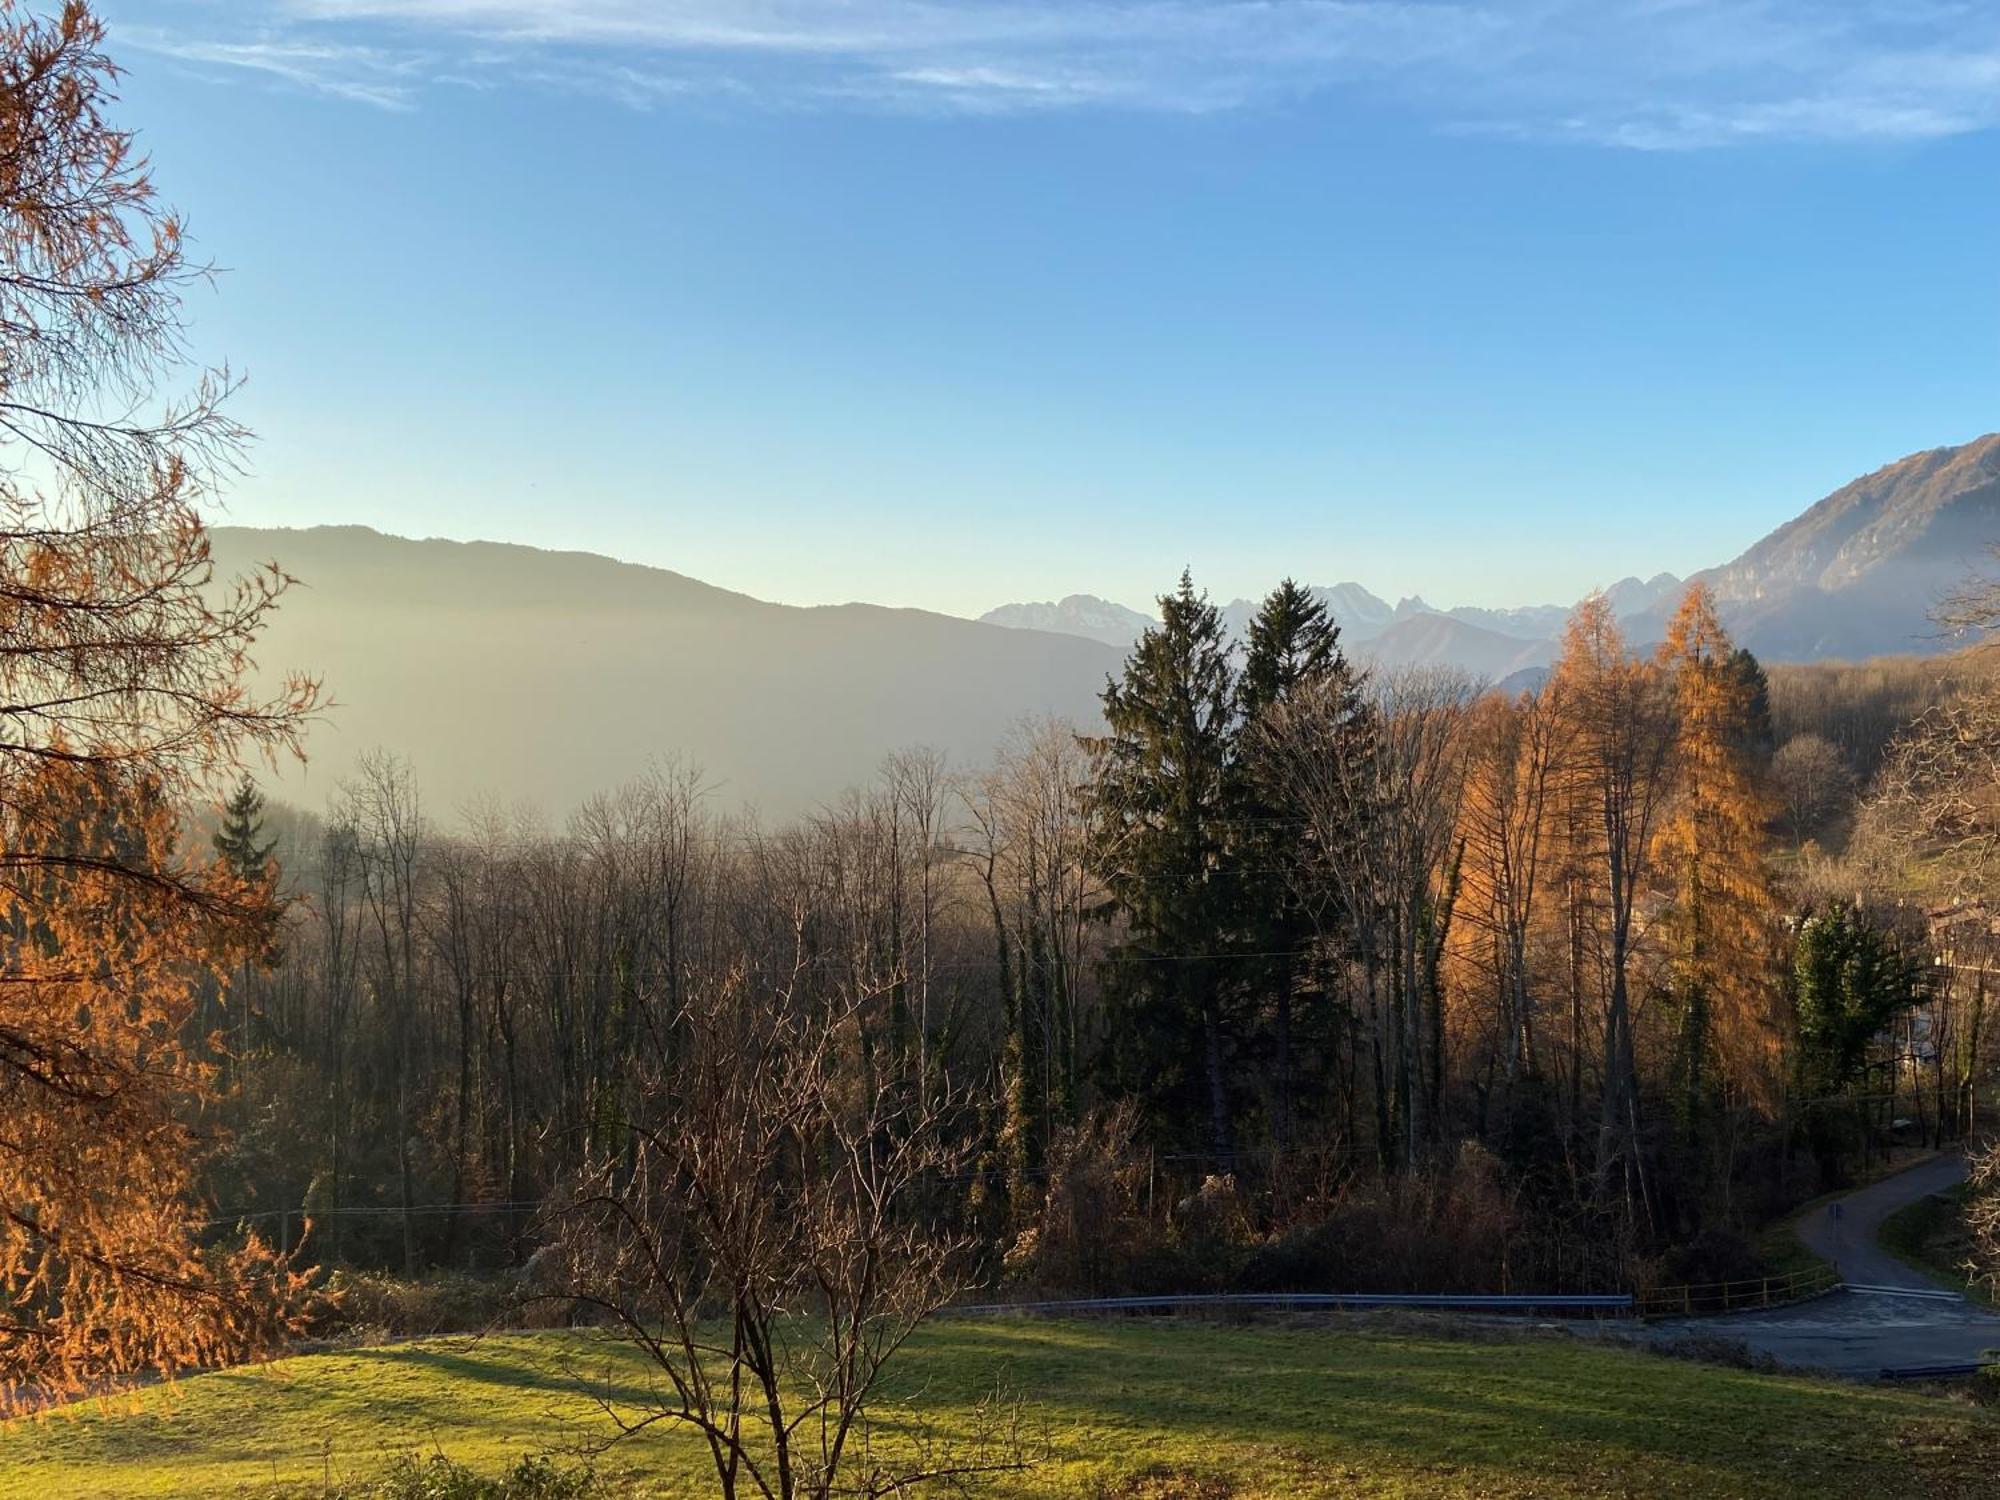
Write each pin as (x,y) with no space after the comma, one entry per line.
(950,303)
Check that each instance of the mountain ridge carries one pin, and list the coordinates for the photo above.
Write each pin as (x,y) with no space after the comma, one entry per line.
(511,673)
(1854,574)
(526,675)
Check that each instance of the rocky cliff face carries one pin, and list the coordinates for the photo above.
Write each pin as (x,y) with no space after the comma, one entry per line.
(1933,510)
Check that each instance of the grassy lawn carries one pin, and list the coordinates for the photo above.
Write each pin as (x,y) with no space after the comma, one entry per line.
(1931,1235)
(1128,1410)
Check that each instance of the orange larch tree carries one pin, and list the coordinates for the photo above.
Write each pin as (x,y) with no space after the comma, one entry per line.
(123,669)
(1709,856)
(1513,762)
(1618,719)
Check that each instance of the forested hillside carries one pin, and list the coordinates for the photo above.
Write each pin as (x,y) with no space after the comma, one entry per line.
(1287,976)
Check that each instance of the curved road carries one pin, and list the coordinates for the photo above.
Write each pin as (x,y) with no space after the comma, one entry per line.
(1906,1320)
(1844,1231)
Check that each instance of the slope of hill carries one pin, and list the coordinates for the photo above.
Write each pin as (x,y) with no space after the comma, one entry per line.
(1935,507)
(547,677)
(1128,1407)
(1858,573)
(1438,640)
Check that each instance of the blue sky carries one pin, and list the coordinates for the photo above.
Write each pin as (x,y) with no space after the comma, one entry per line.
(949,304)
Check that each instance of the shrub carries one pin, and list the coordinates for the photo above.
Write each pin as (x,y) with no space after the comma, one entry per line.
(438,1478)
(1713,1257)
(376,1304)
(1092,1225)
(1453,1230)
(1983,1217)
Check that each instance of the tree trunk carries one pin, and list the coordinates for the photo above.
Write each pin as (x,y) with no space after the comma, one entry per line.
(1218,1096)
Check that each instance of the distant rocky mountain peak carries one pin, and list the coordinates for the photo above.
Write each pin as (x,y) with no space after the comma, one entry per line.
(1495,643)
(1854,575)
(1086,615)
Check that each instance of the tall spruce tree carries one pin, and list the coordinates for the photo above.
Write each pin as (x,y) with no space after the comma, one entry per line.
(240,839)
(1759,736)
(1161,801)
(246,854)
(1293,641)
(1293,647)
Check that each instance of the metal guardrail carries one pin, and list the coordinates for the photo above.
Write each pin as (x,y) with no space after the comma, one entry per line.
(1656,1302)
(1609,1302)
(1919,1294)
(1938,1372)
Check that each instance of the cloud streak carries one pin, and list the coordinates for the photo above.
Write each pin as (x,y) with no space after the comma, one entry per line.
(1634,74)
(360,75)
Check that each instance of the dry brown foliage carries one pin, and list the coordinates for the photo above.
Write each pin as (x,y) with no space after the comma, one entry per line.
(1720,913)
(1982,1214)
(122,696)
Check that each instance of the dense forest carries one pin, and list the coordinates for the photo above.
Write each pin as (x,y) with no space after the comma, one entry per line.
(1290,977)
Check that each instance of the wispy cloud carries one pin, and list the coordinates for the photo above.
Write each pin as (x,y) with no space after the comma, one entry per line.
(1640,74)
(362,75)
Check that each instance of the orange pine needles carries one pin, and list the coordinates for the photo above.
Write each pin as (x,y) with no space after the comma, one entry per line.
(108,941)
(1711,850)
(122,698)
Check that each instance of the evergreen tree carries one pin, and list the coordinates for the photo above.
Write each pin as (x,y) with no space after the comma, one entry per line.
(1293,648)
(1293,641)
(1759,737)
(1161,803)
(240,840)
(246,854)
(1851,977)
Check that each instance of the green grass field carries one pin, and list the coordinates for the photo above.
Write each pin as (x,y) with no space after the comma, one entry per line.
(1132,1410)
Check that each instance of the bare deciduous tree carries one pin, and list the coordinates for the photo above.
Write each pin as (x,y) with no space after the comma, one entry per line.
(1031,853)
(1513,761)
(1813,781)
(381,803)
(769,1237)
(1983,1216)
(1379,791)
(1939,790)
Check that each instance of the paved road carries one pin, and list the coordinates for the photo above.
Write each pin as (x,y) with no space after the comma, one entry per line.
(1858,1333)
(1844,1231)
